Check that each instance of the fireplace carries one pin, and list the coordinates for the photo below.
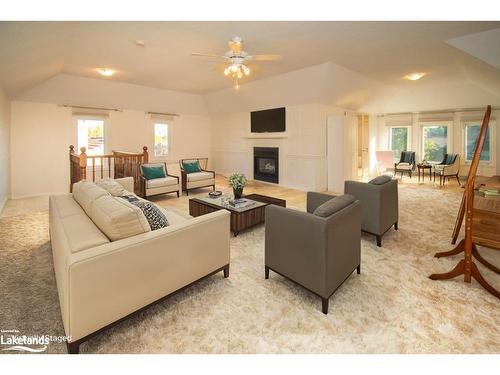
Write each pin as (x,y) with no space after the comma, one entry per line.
(266,164)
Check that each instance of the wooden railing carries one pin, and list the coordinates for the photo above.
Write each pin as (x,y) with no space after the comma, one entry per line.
(116,165)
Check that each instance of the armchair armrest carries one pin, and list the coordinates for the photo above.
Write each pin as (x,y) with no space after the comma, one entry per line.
(206,170)
(171,175)
(315,199)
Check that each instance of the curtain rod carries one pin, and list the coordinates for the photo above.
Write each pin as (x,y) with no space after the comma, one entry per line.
(477,109)
(162,113)
(83,107)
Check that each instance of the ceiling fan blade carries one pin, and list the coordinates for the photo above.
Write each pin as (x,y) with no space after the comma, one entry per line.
(266,57)
(208,55)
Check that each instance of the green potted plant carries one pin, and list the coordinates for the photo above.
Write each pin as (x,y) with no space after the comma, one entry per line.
(237,181)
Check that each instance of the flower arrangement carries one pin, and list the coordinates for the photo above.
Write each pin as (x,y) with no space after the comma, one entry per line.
(237,181)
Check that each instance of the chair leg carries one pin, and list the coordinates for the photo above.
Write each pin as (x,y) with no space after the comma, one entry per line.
(266,272)
(324,305)
(213,187)
(226,271)
(177,193)
(458,180)
(358,269)
(379,240)
(187,192)
(396,225)
(73,347)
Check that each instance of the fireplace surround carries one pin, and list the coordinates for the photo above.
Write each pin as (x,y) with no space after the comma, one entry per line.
(266,164)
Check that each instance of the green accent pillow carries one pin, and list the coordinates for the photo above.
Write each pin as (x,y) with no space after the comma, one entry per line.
(191,166)
(150,172)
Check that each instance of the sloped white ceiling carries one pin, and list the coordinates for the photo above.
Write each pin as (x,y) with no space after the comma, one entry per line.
(382,51)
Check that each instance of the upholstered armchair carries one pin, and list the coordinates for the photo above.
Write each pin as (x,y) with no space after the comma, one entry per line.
(155,180)
(379,203)
(406,163)
(449,167)
(194,176)
(318,249)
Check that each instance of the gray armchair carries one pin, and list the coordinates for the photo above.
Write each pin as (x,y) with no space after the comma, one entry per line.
(317,252)
(379,205)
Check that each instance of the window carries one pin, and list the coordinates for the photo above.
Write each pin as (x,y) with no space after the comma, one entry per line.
(91,135)
(161,139)
(398,141)
(471,136)
(434,142)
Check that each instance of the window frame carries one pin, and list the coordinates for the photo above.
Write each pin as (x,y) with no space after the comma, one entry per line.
(449,136)
(408,138)
(493,145)
(90,117)
(169,138)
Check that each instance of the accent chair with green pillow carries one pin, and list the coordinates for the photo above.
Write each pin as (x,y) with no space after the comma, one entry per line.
(194,176)
(379,204)
(318,249)
(155,180)
(449,167)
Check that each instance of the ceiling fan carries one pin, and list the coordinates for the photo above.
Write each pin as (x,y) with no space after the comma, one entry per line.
(236,60)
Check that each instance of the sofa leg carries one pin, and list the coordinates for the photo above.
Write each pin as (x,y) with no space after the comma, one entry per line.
(324,305)
(379,241)
(358,269)
(226,271)
(73,347)
(266,272)
(396,225)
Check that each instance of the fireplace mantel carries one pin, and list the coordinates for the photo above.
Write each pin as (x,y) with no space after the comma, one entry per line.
(266,136)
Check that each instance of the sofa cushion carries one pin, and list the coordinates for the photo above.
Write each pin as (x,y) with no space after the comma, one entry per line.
(333,205)
(191,166)
(81,233)
(85,193)
(198,176)
(117,218)
(152,171)
(154,215)
(160,182)
(174,216)
(380,180)
(111,186)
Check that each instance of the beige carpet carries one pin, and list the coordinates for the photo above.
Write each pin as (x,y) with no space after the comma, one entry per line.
(392,307)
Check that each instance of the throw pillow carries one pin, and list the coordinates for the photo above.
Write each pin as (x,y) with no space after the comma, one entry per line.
(334,205)
(380,180)
(111,186)
(450,159)
(150,172)
(191,166)
(155,217)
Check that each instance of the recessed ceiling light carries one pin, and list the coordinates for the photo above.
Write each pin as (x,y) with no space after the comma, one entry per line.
(140,43)
(106,72)
(414,76)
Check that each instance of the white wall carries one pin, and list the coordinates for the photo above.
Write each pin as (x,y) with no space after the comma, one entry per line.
(4,149)
(456,142)
(42,132)
(302,150)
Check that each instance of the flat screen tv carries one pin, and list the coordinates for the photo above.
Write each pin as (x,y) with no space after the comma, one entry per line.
(268,121)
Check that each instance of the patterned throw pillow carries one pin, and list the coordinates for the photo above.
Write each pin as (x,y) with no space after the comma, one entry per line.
(153,214)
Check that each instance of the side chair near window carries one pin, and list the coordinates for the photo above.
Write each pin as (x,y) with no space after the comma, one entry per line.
(406,163)
(155,180)
(318,249)
(449,167)
(194,176)
(379,204)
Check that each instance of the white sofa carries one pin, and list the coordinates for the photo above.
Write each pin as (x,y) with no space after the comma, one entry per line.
(100,282)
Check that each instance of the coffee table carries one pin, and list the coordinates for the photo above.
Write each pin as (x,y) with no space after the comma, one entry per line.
(241,218)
